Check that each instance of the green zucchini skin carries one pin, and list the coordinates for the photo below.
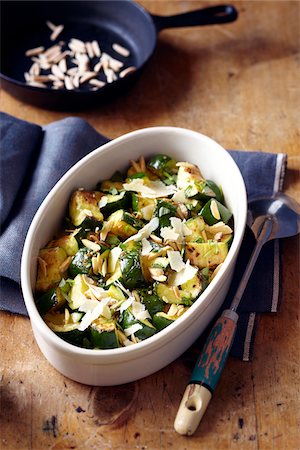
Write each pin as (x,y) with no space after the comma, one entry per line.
(50,300)
(76,337)
(164,167)
(161,322)
(209,190)
(128,319)
(208,216)
(81,263)
(164,211)
(153,303)
(102,339)
(115,202)
(131,268)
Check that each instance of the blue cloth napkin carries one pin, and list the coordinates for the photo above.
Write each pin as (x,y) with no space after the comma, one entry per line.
(33,159)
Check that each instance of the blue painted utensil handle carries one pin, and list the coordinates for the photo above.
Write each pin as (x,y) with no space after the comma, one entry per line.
(206,373)
(211,362)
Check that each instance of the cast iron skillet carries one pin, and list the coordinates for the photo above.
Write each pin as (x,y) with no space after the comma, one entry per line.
(23,26)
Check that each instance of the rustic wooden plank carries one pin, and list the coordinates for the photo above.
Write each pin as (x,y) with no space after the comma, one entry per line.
(238,84)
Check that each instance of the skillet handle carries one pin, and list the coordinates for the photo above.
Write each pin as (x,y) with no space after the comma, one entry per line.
(205,16)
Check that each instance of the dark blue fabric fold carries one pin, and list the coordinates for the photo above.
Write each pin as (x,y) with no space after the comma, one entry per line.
(38,157)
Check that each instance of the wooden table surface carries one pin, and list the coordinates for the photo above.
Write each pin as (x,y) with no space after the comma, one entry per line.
(239,84)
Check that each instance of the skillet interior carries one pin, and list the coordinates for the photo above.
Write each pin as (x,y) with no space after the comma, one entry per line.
(23,26)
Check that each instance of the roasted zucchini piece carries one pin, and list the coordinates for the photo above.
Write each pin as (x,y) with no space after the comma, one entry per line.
(188,179)
(131,267)
(85,204)
(152,302)
(185,294)
(115,202)
(196,226)
(161,320)
(164,167)
(49,270)
(143,207)
(77,292)
(68,331)
(68,243)
(128,319)
(103,333)
(207,190)
(213,212)
(164,211)
(123,224)
(206,254)
(51,300)
(81,263)
(74,336)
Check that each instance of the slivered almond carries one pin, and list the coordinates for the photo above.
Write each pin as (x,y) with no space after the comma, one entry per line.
(27,76)
(86,77)
(77,45)
(156,239)
(72,71)
(121,50)
(61,56)
(57,72)
(51,51)
(67,315)
(36,84)
(35,51)
(56,32)
(215,210)
(65,265)
(98,66)
(216,271)
(126,71)
(62,65)
(42,78)
(97,83)
(34,69)
(50,25)
(135,165)
(42,265)
(110,75)
(96,49)
(95,265)
(91,245)
(142,164)
(89,49)
(68,83)
(176,292)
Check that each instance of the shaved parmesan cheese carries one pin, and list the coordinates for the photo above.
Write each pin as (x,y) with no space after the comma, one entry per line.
(145,232)
(146,247)
(186,274)
(153,189)
(176,261)
(169,234)
(133,329)
(113,258)
(147,212)
(103,201)
(179,196)
(139,311)
(176,232)
(93,310)
(126,304)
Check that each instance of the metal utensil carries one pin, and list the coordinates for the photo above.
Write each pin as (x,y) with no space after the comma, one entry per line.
(269,218)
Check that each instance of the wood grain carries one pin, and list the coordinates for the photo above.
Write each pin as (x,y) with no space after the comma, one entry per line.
(239,84)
